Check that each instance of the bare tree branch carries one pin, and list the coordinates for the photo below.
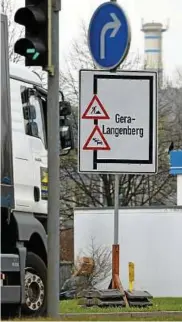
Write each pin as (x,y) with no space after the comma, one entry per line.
(14,30)
(98,190)
(101,256)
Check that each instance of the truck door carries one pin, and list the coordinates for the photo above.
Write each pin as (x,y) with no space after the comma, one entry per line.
(35,129)
(7,185)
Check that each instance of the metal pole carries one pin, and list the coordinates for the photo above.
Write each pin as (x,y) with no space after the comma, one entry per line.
(53,175)
(116,198)
(116,210)
(116,283)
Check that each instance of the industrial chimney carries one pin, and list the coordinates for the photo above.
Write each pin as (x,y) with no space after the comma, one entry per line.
(153,47)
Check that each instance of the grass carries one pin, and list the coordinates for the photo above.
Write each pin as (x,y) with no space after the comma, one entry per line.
(159,304)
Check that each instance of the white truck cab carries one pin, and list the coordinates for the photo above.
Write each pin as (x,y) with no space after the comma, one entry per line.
(24,185)
(28,111)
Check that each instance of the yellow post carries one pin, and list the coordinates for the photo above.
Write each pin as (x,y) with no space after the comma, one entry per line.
(131,267)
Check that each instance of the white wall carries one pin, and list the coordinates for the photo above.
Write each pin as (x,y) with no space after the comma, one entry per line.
(151,238)
(179,190)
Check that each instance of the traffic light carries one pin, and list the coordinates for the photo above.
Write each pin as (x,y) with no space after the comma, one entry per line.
(36,17)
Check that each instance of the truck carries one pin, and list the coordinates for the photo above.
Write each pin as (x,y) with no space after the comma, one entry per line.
(149,236)
(24,184)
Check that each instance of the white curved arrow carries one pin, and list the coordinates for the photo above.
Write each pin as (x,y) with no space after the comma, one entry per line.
(115,25)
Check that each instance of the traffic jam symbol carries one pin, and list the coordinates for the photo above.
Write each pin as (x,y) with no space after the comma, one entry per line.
(96,141)
(95,110)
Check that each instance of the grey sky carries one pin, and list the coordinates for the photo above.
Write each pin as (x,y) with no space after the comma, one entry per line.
(73,11)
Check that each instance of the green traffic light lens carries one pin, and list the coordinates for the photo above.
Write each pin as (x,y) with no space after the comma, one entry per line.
(33,52)
(29,48)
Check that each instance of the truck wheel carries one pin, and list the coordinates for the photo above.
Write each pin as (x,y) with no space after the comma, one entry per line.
(35,286)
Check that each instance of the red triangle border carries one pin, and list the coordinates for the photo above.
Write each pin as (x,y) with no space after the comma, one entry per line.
(96,117)
(106,148)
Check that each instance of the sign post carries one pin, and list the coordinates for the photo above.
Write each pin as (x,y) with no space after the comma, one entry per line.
(116,210)
(117,130)
(131,269)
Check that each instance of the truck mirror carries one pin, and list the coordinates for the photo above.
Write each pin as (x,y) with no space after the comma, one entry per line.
(66,138)
(29,112)
(64,108)
(32,129)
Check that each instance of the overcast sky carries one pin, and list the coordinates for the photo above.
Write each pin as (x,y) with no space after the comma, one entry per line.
(73,11)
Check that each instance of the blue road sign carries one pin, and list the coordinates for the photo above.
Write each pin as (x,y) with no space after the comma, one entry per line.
(109,35)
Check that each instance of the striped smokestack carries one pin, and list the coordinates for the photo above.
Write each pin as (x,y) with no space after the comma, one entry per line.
(153,47)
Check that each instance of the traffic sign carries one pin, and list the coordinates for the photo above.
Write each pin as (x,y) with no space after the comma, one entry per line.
(109,35)
(130,132)
(96,141)
(95,110)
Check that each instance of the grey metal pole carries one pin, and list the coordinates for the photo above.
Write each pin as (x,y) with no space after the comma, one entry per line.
(116,210)
(53,174)
(116,199)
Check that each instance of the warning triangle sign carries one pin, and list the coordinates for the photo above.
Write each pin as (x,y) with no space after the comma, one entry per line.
(95,110)
(96,141)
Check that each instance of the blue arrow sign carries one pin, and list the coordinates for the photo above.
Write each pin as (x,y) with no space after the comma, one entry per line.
(109,35)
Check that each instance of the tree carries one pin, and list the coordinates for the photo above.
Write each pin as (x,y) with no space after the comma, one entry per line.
(101,256)
(14,31)
(92,267)
(98,190)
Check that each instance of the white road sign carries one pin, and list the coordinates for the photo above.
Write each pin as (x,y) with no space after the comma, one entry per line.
(118,122)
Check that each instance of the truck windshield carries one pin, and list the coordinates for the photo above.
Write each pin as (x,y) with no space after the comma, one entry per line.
(35,101)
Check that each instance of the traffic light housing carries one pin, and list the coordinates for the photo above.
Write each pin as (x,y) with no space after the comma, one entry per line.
(36,17)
